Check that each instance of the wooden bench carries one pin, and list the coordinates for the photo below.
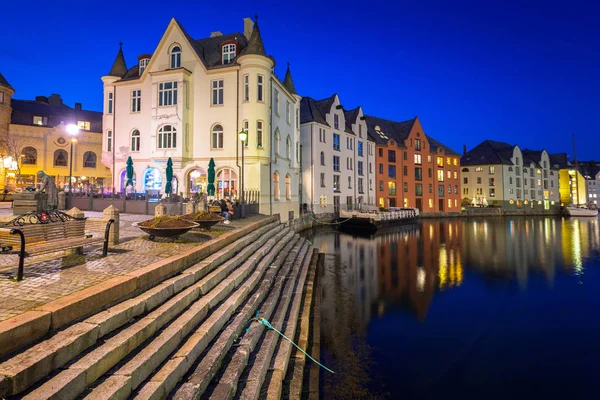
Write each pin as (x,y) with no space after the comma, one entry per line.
(48,232)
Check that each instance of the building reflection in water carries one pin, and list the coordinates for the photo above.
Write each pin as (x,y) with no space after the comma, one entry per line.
(406,266)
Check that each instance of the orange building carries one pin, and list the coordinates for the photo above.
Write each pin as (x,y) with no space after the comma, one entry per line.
(413,169)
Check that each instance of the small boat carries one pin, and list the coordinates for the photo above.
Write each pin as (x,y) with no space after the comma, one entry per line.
(581,211)
(367,222)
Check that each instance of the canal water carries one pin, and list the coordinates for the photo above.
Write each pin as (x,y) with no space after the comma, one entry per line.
(476,309)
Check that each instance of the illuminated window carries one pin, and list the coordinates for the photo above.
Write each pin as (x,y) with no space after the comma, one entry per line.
(85,125)
(440,175)
(440,161)
(418,159)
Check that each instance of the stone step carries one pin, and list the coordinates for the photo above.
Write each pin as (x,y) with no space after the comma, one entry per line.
(272,388)
(302,379)
(165,379)
(39,361)
(226,383)
(288,307)
(211,361)
(130,375)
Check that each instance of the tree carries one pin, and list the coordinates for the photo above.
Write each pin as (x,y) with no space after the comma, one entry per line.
(10,149)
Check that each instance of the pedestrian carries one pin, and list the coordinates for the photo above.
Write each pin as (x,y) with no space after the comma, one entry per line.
(224,211)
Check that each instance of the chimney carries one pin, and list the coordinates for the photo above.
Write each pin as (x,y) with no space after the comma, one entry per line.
(248,27)
(55,100)
(42,99)
(78,106)
(216,34)
(464,149)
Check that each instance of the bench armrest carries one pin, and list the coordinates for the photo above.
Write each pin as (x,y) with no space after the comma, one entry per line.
(106,235)
(15,231)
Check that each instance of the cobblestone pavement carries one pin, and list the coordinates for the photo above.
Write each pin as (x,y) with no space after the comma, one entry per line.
(52,276)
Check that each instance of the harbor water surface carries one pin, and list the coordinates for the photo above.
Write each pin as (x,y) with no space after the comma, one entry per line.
(486,309)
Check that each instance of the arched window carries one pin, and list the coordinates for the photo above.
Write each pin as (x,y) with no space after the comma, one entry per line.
(60,158)
(135,140)
(510,168)
(226,183)
(465,170)
(167,137)
(197,181)
(277,141)
(288,187)
(228,53)
(217,137)
(276,186)
(176,56)
(322,158)
(89,159)
(288,148)
(259,132)
(29,156)
(152,179)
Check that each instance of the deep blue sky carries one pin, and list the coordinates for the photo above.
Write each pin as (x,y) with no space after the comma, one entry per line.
(525,74)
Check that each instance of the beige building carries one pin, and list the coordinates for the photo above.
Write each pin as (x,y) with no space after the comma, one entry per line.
(34,137)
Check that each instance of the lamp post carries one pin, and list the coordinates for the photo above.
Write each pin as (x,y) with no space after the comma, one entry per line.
(72,130)
(243,137)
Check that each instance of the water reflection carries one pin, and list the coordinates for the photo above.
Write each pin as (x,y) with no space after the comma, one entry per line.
(393,280)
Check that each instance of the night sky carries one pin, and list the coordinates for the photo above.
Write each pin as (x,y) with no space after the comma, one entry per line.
(525,74)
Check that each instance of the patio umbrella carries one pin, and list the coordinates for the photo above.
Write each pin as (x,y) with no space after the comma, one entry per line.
(485,203)
(210,189)
(129,176)
(474,201)
(169,172)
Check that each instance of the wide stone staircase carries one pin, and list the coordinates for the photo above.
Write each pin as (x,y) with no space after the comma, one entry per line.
(189,336)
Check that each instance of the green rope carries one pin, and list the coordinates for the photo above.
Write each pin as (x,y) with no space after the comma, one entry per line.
(271,327)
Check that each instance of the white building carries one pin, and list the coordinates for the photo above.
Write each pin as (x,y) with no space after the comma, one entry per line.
(188,101)
(503,175)
(591,172)
(338,156)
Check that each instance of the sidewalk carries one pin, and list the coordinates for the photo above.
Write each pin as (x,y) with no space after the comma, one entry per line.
(50,277)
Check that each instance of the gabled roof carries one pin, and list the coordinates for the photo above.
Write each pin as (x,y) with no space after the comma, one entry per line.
(560,159)
(489,152)
(381,130)
(4,82)
(119,68)
(288,82)
(350,117)
(434,144)
(310,112)
(324,105)
(589,169)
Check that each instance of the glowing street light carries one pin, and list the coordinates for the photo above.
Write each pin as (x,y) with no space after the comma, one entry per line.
(73,131)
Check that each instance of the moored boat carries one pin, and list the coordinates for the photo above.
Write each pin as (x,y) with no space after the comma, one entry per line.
(573,211)
(367,222)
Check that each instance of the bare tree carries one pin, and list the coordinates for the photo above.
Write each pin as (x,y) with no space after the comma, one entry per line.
(10,146)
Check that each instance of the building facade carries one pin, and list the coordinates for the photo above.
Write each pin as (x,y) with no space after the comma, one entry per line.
(36,139)
(338,158)
(571,181)
(500,174)
(591,172)
(188,101)
(413,169)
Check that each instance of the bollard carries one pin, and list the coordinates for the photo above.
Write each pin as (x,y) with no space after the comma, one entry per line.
(112,212)
(189,207)
(75,213)
(159,210)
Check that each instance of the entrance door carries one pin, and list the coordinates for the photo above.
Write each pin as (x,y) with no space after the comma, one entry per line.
(336,204)
(441,202)
(419,204)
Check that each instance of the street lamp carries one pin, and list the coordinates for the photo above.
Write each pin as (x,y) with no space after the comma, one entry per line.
(243,137)
(72,130)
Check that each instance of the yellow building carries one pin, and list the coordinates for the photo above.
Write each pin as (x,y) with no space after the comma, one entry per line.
(36,139)
(572,184)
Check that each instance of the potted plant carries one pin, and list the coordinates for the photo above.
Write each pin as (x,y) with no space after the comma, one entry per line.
(166,226)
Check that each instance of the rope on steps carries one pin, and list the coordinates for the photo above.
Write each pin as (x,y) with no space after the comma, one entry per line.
(266,323)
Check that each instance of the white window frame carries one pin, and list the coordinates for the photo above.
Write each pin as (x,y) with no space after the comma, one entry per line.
(216,137)
(287,113)
(143,64)
(260,85)
(336,121)
(228,53)
(175,56)
(246,87)
(166,140)
(259,134)
(276,102)
(109,140)
(167,96)
(246,128)
(288,147)
(135,141)
(297,118)
(110,103)
(217,97)
(136,100)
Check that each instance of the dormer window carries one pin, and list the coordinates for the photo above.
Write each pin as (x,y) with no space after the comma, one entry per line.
(143,64)
(228,53)
(176,57)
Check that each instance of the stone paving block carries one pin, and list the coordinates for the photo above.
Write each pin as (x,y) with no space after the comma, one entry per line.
(30,366)
(20,330)
(88,301)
